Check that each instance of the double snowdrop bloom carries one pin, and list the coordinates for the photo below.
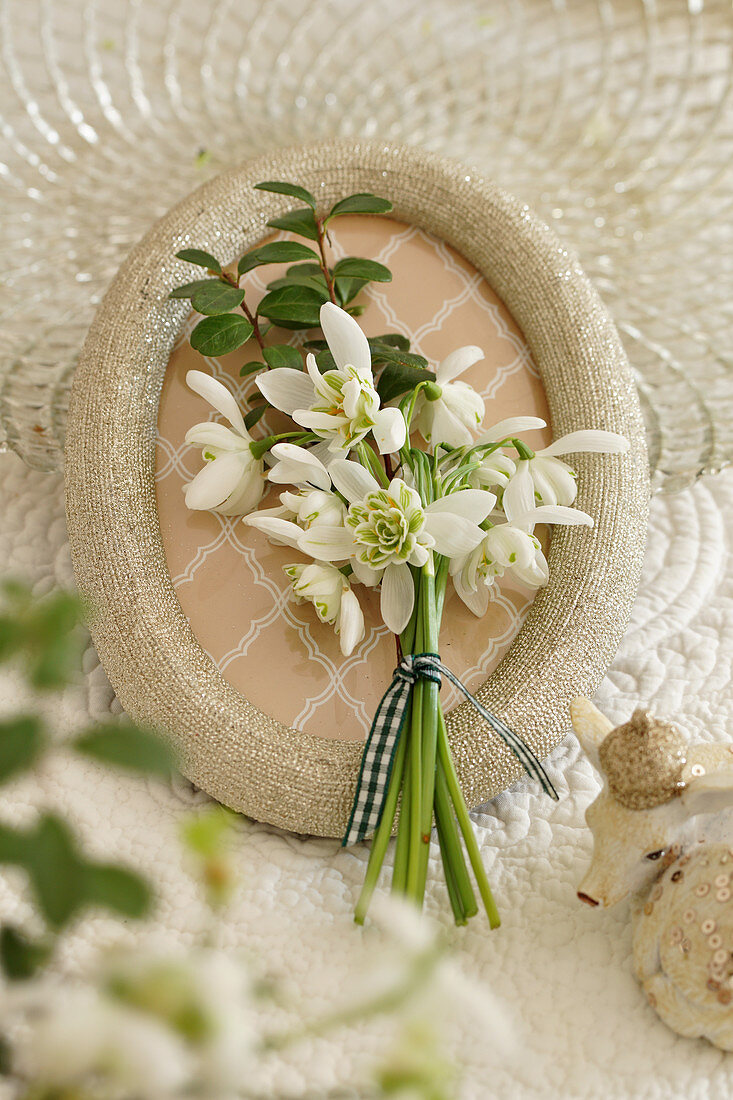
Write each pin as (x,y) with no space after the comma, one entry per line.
(329,591)
(388,530)
(341,406)
(450,412)
(231,482)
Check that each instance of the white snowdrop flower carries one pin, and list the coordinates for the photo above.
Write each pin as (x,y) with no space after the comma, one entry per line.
(296,465)
(231,482)
(387,530)
(554,482)
(495,470)
(520,507)
(450,412)
(329,591)
(512,545)
(503,548)
(314,501)
(509,428)
(314,506)
(340,406)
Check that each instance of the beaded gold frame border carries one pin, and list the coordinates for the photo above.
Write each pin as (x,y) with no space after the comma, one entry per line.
(229,747)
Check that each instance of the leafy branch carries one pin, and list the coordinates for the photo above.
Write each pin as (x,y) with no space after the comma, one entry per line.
(294,299)
(44,637)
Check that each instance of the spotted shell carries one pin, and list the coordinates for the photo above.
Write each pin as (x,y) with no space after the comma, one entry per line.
(683,945)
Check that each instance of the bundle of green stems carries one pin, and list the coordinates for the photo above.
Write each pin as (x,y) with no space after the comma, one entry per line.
(423,787)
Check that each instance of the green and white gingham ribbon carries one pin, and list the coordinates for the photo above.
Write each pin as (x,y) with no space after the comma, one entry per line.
(376,762)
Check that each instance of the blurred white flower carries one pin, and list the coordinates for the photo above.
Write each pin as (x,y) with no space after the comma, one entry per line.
(231,482)
(330,593)
(450,412)
(78,1038)
(204,997)
(340,406)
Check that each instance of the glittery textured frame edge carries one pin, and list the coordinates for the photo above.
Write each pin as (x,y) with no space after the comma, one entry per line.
(230,748)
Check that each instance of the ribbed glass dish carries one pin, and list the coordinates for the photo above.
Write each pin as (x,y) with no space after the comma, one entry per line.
(612,118)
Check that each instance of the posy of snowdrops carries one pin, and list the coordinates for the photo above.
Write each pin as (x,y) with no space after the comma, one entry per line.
(391,480)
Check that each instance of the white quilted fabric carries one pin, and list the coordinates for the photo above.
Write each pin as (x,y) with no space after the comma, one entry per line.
(563,970)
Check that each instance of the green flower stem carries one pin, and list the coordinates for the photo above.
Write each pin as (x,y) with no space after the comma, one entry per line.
(428,728)
(415,768)
(383,833)
(453,857)
(259,447)
(253,319)
(456,903)
(323,260)
(401,855)
(465,824)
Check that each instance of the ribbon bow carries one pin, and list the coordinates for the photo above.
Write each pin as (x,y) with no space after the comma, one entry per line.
(376,762)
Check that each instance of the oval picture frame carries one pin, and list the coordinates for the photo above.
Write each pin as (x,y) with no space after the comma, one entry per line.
(162,676)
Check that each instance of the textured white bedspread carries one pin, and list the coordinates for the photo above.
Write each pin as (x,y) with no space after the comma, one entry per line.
(563,970)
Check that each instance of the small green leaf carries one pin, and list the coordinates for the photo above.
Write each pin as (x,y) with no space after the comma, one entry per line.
(255,398)
(219,335)
(189,289)
(301,221)
(383,354)
(55,870)
(248,262)
(250,368)
(305,269)
(362,203)
(21,743)
(117,888)
(255,415)
(314,282)
(363,269)
(200,258)
(280,188)
(391,339)
(292,304)
(282,355)
(6,1057)
(398,378)
(356,311)
(325,361)
(128,747)
(20,957)
(12,637)
(13,845)
(347,289)
(283,252)
(217,298)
